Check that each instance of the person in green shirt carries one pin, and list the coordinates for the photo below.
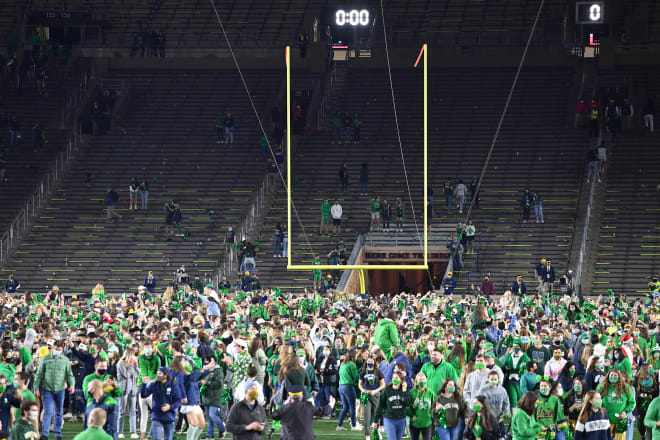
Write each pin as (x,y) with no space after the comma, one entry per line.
(149,364)
(22,380)
(514,366)
(386,334)
(392,407)
(317,272)
(348,380)
(523,424)
(101,373)
(374,209)
(325,217)
(618,399)
(652,418)
(421,422)
(437,370)
(95,423)
(25,427)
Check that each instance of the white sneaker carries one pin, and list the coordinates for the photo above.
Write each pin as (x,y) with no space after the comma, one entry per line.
(67,416)
(357,427)
(341,428)
(120,435)
(134,435)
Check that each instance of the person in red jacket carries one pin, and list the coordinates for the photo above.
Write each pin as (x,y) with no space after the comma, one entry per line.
(487,286)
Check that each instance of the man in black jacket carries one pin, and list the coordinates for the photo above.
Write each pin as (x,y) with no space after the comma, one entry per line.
(247,419)
(297,415)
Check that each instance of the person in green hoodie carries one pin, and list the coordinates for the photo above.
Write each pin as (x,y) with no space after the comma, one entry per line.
(652,418)
(392,407)
(24,427)
(421,422)
(386,334)
(523,424)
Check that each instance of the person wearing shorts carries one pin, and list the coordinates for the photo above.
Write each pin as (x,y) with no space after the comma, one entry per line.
(374,208)
(336,213)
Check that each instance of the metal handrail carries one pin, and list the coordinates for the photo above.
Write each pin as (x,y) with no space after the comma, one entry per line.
(53,176)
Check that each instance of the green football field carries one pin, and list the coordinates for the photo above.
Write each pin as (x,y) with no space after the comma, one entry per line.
(322,429)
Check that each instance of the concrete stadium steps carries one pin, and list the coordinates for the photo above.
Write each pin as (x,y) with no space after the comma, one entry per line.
(170,139)
(535,149)
(26,167)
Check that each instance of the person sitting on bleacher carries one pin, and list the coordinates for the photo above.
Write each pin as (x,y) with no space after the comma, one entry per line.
(12,284)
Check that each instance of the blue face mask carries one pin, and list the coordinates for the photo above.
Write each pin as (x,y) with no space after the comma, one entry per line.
(56,353)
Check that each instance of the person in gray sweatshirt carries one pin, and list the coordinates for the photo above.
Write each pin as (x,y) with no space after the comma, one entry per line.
(498,399)
(475,380)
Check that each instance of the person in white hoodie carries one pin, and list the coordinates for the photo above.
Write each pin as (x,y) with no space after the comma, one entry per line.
(336,213)
(459,192)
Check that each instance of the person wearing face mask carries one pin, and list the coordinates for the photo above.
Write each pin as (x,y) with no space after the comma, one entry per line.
(497,397)
(166,400)
(421,422)
(148,363)
(593,422)
(578,350)
(247,419)
(554,366)
(127,378)
(622,362)
(371,383)
(449,410)
(514,368)
(619,401)
(99,399)
(475,379)
(392,407)
(655,358)
(646,389)
(101,373)
(53,376)
(328,375)
(297,415)
(482,424)
(567,376)
(25,428)
(573,402)
(539,353)
(595,373)
(549,411)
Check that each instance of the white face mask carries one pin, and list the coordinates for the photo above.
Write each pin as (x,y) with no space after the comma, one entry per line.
(33,415)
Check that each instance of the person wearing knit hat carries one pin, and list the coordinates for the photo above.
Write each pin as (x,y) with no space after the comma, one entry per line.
(514,368)
(297,415)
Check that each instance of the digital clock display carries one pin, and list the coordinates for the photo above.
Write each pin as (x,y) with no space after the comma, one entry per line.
(589,12)
(353,17)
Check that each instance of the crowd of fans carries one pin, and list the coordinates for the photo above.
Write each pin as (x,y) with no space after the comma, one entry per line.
(213,358)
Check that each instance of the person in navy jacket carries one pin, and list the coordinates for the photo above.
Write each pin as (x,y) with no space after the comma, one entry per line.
(166,400)
(12,284)
(518,287)
(449,284)
(548,276)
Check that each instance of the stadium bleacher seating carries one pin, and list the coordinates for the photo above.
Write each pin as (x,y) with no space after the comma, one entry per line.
(170,139)
(535,149)
(629,239)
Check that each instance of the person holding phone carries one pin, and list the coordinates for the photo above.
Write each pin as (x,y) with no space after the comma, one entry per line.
(247,419)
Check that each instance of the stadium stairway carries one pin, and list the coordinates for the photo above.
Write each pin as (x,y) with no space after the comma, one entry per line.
(170,140)
(535,149)
(628,251)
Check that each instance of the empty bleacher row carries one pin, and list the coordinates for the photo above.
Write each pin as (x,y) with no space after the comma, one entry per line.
(535,150)
(170,139)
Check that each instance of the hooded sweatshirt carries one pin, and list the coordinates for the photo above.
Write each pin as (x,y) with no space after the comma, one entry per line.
(386,335)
